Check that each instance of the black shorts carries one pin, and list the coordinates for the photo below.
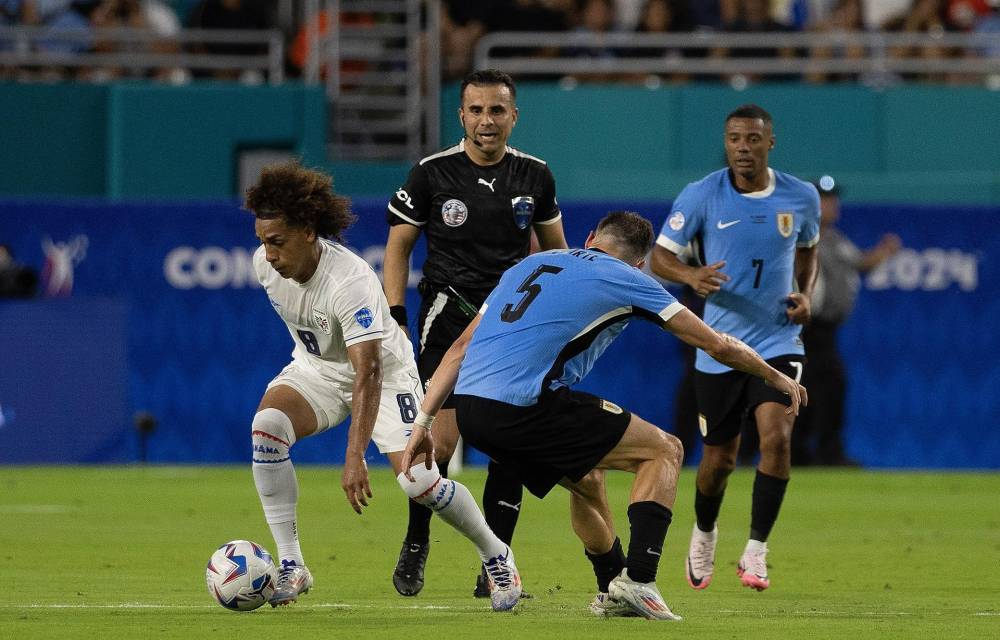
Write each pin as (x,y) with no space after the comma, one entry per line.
(564,435)
(442,320)
(726,401)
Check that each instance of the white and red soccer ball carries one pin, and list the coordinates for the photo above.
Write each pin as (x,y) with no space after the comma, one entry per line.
(241,575)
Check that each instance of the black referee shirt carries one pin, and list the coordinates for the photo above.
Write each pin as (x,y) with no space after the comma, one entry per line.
(477,219)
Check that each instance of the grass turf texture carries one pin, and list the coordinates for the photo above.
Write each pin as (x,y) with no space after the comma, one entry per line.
(120,552)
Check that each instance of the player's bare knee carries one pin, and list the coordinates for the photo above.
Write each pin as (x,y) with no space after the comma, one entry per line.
(776,448)
(667,449)
(590,487)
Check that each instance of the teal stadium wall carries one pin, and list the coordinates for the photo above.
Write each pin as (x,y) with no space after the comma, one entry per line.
(911,144)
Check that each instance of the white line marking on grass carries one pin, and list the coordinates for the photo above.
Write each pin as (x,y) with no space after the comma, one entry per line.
(843,614)
(319,605)
(36,508)
(987,613)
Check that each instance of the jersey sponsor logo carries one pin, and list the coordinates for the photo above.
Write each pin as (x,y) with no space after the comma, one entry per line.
(524,208)
(676,220)
(454,213)
(488,184)
(786,223)
(364,317)
(611,407)
(725,225)
(322,321)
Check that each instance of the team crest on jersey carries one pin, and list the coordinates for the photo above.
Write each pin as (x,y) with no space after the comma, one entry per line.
(322,321)
(364,317)
(454,213)
(524,208)
(786,223)
(676,220)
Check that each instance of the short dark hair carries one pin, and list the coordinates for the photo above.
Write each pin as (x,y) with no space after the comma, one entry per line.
(630,230)
(302,197)
(483,77)
(750,111)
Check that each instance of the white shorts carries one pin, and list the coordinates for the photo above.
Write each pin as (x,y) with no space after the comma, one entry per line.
(401,398)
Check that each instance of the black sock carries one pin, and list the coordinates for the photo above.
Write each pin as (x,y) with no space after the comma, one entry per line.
(768,492)
(502,500)
(418,531)
(607,565)
(649,521)
(706,509)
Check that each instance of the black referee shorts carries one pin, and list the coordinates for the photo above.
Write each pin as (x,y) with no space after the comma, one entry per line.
(441,322)
(564,435)
(726,401)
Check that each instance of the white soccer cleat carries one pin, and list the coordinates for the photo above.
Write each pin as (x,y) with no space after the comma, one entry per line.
(701,557)
(642,597)
(604,607)
(752,568)
(504,581)
(293,581)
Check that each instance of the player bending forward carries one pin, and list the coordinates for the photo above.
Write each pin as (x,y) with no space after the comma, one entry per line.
(350,358)
(538,333)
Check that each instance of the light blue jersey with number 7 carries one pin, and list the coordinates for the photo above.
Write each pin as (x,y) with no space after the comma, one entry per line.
(550,317)
(757,235)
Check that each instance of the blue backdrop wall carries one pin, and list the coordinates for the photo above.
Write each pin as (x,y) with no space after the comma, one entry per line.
(154,307)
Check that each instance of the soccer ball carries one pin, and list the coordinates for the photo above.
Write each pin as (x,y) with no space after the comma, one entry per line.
(241,575)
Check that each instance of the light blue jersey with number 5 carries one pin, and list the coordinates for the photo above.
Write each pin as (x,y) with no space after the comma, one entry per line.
(757,235)
(550,317)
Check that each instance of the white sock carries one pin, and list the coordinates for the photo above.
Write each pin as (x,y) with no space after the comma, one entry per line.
(456,506)
(755,546)
(274,477)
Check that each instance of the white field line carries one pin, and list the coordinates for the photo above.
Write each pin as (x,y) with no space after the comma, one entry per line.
(146,605)
(43,509)
(429,607)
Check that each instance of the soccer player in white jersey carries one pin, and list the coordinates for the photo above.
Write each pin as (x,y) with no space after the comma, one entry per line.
(350,358)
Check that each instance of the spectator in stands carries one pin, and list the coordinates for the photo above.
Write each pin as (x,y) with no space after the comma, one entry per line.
(662,16)
(846,16)
(751,16)
(817,438)
(233,14)
(16,281)
(927,16)
(463,23)
(596,19)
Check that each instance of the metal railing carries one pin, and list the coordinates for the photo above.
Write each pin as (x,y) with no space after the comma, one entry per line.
(23,46)
(697,53)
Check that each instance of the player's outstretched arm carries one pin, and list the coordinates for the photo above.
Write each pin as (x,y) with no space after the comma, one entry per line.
(367,360)
(704,280)
(440,385)
(734,353)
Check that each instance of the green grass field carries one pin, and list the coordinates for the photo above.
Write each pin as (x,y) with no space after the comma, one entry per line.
(120,552)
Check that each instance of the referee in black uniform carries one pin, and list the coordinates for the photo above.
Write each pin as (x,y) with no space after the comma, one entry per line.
(477,203)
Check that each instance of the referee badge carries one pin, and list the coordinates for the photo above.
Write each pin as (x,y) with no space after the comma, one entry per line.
(785,223)
(524,208)
(454,213)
